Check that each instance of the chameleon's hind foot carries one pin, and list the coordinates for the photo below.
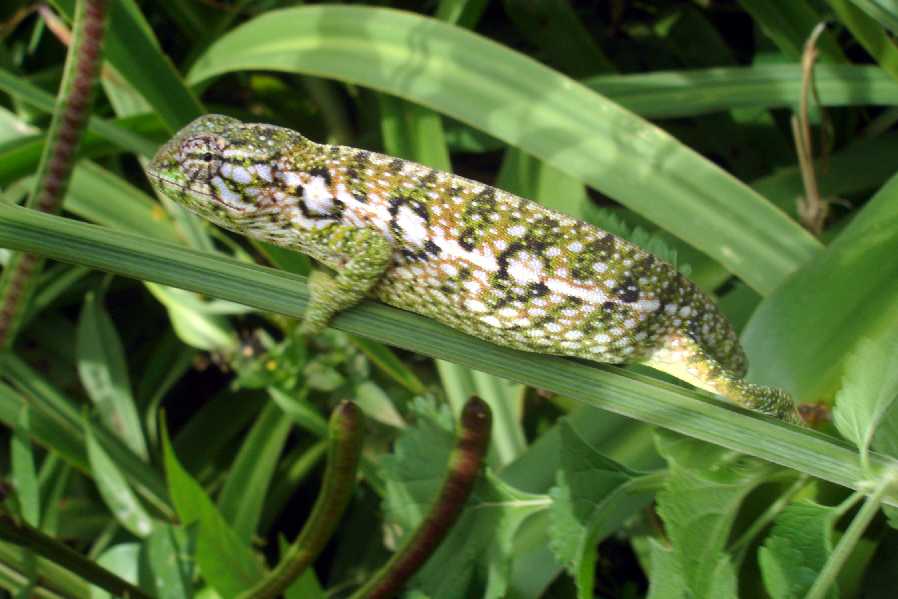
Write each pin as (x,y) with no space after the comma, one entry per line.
(685,359)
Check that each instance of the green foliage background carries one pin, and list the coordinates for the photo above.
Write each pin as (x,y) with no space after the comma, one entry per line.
(666,122)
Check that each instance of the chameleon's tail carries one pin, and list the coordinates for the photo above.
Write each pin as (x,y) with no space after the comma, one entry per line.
(683,357)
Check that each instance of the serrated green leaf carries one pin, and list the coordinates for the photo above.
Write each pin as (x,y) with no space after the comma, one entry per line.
(114,489)
(666,580)
(474,559)
(699,503)
(866,408)
(226,563)
(797,548)
(104,374)
(584,481)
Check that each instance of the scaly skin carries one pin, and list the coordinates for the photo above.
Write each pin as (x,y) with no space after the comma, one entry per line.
(476,258)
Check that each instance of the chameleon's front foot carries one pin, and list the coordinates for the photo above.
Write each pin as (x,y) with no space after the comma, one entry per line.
(321,308)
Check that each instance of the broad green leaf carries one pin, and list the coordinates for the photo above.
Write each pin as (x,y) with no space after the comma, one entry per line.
(376,404)
(699,503)
(300,410)
(861,166)
(464,13)
(133,210)
(198,323)
(797,548)
(24,475)
(104,374)
(245,489)
(866,408)
(801,335)
(577,130)
(114,489)
(167,563)
(225,562)
(693,92)
(215,428)
(637,396)
(554,27)
(306,587)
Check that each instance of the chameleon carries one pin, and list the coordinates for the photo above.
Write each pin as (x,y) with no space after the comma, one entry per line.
(478,259)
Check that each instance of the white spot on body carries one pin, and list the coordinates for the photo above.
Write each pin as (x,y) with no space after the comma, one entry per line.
(517,230)
(290,179)
(317,196)
(491,320)
(475,306)
(263,171)
(414,228)
(525,269)
(592,295)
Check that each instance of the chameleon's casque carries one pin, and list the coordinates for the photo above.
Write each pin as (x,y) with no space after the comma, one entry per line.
(479,259)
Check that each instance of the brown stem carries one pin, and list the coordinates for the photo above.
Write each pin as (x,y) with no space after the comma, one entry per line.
(66,128)
(347,428)
(464,467)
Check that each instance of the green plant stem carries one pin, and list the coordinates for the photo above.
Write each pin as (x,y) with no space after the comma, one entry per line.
(463,469)
(691,413)
(31,538)
(72,111)
(850,539)
(345,435)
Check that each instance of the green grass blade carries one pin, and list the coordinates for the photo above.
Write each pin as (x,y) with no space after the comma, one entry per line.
(789,24)
(133,50)
(883,11)
(671,94)
(530,106)
(691,413)
(243,495)
(800,337)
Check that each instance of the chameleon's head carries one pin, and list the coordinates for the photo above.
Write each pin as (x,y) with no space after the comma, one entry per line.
(220,168)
